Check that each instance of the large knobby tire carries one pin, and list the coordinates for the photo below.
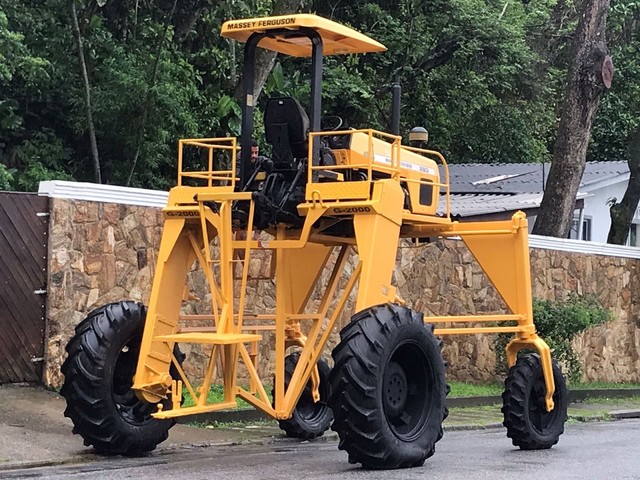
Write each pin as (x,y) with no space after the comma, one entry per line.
(388,388)
(99,369)
(529,425)
(309,419)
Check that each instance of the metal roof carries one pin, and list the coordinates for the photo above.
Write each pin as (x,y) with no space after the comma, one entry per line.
(474,204)
(515,178)
(468,205)
(336,38)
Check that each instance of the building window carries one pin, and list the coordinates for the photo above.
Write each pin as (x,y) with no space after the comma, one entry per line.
(586,228)
(633,235)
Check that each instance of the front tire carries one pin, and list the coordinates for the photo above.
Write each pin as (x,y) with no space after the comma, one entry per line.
(388,388)
(529,425)
(309,419)
(99,369)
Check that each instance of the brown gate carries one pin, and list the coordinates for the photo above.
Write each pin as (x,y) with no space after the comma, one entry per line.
(23,276)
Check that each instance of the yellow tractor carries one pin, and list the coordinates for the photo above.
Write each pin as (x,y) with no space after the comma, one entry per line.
(329,208)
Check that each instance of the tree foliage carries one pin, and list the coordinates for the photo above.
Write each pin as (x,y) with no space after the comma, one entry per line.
(618,115)
(558,322)
(483,76)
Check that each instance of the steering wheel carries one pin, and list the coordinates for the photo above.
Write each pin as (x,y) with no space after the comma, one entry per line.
(330,122)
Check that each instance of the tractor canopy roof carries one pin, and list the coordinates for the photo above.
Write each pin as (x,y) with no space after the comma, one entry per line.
(286,36)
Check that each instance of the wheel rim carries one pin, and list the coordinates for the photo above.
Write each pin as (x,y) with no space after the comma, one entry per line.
(395,390)
(543,422)
(130,407)
(407,386)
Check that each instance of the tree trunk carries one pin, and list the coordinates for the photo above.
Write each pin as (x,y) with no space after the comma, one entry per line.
(266,59)
(622,213)
(150,86)
(585,86)
(87,92)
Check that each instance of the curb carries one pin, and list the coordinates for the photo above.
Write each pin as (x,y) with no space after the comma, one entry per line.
(254,415)
(624,414)
(459,428)
(6,467)
(226,416)
(580,395)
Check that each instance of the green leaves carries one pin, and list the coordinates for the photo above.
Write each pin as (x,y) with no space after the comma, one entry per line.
(465,66)
(8,118)
(228,106)
(619,111)
(42,156)
(229,109)
(483,76)
(558,322)
(6,177)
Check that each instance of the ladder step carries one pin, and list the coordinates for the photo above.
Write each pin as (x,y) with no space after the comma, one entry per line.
(210,338)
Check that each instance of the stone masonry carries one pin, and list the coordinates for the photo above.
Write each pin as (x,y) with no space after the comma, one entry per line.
(101,253)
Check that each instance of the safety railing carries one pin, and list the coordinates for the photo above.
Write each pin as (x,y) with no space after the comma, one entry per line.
(208,161)
(438,158)
(383,163)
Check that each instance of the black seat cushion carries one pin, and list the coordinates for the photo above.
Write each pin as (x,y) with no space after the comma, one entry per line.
(287,129)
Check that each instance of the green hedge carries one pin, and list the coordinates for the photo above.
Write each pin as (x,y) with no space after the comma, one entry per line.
(558,322)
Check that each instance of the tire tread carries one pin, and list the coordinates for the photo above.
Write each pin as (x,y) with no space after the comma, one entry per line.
(93,415)
(353,391)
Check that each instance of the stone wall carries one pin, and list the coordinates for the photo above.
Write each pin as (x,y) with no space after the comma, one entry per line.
(443,278)
(610,352)
(98,253)
(101,253)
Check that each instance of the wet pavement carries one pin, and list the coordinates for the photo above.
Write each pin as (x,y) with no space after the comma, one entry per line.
(34,432)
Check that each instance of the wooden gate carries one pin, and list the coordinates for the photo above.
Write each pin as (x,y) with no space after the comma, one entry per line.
(23,276)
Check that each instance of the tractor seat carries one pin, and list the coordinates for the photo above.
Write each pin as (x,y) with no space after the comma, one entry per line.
(287,130)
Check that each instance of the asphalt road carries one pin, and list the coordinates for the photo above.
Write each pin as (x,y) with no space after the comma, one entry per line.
(607,450)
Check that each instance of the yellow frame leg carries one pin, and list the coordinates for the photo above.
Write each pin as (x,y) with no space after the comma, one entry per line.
(541,346)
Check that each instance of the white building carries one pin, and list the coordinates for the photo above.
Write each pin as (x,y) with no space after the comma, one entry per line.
(497,190)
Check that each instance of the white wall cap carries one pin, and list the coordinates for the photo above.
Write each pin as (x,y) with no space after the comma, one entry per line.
(156,198)
(581,246)
(103,193)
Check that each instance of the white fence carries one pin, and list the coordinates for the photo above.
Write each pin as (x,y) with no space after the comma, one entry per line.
(155,198)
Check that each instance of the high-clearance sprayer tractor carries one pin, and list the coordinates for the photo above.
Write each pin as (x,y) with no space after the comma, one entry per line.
(323,197)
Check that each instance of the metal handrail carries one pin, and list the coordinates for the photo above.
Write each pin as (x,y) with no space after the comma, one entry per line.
(445,167)
(211,174)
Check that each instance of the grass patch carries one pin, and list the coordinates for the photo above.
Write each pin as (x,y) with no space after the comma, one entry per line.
(462,389)
(216,395)
(586,415)
(481,409)
(604,386)
(632,401)
(465,389)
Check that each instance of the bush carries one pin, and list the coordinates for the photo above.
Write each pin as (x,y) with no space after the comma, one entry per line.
(558,322)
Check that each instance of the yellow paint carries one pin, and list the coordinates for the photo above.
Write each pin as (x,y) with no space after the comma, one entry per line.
(337,39)
(373,199)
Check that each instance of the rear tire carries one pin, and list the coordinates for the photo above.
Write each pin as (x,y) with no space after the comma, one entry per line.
(388,388)
(309,419)
(99,369)
(529,425)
